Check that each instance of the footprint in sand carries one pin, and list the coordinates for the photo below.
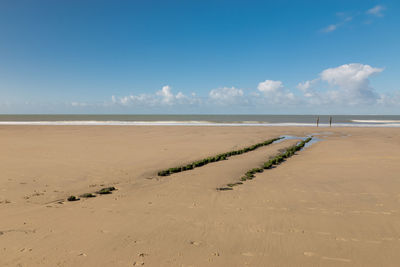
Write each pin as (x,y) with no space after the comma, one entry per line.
(195,243)
(143,254)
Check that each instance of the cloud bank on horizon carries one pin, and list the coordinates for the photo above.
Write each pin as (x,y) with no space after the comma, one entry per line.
(340,87)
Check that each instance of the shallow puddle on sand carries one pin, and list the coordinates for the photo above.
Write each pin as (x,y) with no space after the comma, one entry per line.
(291,137)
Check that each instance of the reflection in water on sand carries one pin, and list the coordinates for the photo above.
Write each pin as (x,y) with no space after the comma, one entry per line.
(291,137)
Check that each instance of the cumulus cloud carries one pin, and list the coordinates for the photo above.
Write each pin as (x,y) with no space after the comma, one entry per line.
(352,81)
(166,96)
(274,92)
(334,89)
(79,104)
(348,84)
(307,87)
(269,86)
(226,95)
(389,100)
(163,97)
(376,11)
(180,95)
(353,75)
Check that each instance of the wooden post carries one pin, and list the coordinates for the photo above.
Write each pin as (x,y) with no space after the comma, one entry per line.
(317,121)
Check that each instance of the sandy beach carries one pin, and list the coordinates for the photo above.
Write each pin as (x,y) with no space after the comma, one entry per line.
(335,203)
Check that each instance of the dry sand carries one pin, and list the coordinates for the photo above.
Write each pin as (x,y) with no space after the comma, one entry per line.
(336,203)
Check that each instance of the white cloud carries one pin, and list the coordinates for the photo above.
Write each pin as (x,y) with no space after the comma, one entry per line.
(390,100)
(166,96)
(330,28)
(163,97)
(359,17)
(226,95)
(79,104)
(335,89)
(304,86)
(349,75)
(274,93)
(348,85)
(269,86)
(376,11)
(343,19)
(180,95)
(307,87)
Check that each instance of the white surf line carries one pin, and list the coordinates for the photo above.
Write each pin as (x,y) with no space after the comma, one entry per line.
(377,121)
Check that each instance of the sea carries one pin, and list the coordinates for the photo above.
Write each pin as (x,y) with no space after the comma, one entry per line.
(205,120)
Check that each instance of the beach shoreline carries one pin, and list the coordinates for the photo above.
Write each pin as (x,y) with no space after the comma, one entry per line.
(203,120)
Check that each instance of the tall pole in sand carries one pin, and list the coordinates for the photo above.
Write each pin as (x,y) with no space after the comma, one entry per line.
(317,121)
(330,121)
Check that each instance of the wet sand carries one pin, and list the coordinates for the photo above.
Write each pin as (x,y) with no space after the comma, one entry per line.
(335,203)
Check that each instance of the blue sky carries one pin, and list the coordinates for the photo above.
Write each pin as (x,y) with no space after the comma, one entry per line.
(264,57)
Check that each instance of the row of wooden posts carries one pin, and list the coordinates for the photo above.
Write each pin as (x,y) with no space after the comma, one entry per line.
(330,121)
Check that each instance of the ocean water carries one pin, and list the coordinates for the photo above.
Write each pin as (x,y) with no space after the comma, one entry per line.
(205,120)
